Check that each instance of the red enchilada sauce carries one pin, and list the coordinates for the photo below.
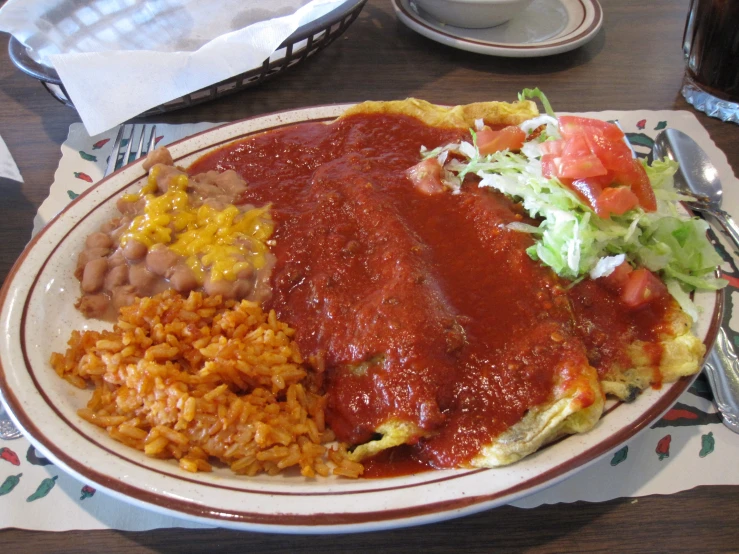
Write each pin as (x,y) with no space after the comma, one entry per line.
(420,308)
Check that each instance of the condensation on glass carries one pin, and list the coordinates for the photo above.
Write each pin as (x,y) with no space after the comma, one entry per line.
(711,49)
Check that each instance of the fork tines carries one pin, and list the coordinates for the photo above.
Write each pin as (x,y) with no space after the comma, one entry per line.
(124,140)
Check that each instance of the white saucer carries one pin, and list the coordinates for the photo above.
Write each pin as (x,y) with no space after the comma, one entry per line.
(546,27)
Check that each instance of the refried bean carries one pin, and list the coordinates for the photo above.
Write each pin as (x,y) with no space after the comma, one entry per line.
(180,232)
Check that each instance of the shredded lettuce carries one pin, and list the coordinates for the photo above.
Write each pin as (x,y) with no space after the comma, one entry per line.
(572,239)
(606,266)
(535,93)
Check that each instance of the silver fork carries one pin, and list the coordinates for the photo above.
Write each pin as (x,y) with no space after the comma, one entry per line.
(120,155)
(124,140)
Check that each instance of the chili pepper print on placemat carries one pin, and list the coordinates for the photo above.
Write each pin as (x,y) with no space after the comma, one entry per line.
(33,458)
(9,456)
(11,481)
(43,488)
(35,494)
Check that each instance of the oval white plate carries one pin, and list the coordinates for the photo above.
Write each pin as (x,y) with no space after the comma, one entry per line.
(36,319)
(546,27)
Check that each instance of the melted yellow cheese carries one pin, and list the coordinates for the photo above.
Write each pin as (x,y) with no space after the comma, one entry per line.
(223,242)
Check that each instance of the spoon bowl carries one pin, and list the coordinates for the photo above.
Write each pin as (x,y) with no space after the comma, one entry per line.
(697,176)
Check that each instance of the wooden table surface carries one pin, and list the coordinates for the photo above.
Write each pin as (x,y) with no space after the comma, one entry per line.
(634,62)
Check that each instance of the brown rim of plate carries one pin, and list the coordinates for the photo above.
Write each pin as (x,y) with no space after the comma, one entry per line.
(568,39)
(466,504)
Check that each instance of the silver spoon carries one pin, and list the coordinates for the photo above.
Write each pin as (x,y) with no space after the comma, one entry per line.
(8,431)
(699,178)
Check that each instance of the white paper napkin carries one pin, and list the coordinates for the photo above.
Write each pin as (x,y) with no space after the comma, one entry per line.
(8,168)
(118,58)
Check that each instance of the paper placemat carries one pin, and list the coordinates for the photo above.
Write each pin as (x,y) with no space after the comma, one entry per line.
(688,447)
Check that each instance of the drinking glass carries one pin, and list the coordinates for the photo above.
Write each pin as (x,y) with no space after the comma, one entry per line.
(711,48)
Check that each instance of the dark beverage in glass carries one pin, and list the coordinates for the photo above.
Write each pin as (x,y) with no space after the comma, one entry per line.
(711,46)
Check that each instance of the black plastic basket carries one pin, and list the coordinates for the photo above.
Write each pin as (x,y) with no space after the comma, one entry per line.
(303,43)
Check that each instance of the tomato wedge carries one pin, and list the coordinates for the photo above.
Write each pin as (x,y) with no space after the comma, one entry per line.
(635,177)
(489,141)
(635,287)
(594,160)
(426,176)
(571,125)
(615,200)
(580,167)
(617,279)
(642,287)
(549,163)
(613,153)
(588,189)
(554,147)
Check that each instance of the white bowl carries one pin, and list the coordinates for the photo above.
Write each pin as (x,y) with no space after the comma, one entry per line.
(473,14)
